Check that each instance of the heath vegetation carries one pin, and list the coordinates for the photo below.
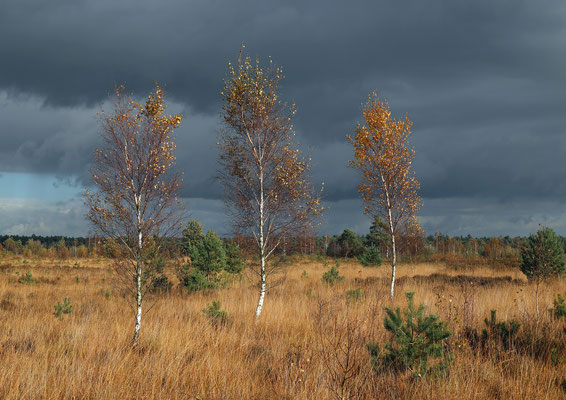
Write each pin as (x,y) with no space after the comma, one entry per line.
(313,340)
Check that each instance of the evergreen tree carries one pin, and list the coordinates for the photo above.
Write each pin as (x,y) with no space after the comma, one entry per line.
(350,243)
(542,257)
(192,236)
(209,255)
(234,257)
(370,257)
(417,342)
(379,235)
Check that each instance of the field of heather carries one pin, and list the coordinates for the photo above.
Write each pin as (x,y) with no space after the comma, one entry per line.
(310,341)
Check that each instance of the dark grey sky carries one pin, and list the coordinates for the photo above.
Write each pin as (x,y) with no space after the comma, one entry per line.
(483,81)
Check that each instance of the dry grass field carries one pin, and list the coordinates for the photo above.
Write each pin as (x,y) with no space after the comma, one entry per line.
(308,344)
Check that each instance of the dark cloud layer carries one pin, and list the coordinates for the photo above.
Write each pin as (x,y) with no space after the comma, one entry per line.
(483,82)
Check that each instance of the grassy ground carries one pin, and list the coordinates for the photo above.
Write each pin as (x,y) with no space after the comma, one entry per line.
(309,342)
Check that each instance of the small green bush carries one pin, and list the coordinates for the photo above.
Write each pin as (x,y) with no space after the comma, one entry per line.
(332,276)
(65,308)
(27,279)
(354,295)
(217,316)
(559,310)
(234,258)
(211,260)
(543,256)
(194,280)
(418,342)
(500,332)
(554,357)
(371,257)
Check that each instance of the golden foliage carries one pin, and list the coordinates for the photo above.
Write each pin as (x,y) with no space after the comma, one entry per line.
(130,170)
(383,155)
(265,177)
(136,198)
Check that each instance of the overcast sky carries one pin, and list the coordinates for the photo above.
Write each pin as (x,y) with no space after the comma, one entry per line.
(483,81)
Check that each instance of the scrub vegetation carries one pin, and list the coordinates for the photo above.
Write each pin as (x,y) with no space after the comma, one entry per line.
(311,342)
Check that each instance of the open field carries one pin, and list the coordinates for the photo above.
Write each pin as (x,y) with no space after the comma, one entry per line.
(306,332)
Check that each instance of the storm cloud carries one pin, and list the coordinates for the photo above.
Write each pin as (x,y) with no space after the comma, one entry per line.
(482,81)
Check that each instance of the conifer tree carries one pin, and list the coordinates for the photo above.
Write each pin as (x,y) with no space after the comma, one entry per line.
(542,257)
(417,341)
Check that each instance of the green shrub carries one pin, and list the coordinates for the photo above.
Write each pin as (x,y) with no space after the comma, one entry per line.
(65,308)
(371,257)
(234,258)
(559,310)
(216,315)
(332,276)
(500,332)
(350,244)
(210,259)
(354,295)
(417,343)
(543,256)
(194,280)
(27,279)
(192,236)
(209,255)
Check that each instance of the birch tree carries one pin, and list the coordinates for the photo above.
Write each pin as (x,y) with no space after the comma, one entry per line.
(388,187)
(268,192)
(135,203)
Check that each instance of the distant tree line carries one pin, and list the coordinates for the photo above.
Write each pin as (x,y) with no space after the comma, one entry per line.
(500,250)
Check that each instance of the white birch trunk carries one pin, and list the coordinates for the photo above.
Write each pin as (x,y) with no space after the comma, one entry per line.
(392,231)
(393,265)
(261,290)
(261,252)
(138,275)
(138,304)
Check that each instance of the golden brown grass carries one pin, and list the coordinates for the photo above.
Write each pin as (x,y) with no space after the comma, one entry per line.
(298,350)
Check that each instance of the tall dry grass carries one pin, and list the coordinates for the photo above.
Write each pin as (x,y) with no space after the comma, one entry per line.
(308,344)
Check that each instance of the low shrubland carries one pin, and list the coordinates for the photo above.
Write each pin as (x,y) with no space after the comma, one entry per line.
(310,342)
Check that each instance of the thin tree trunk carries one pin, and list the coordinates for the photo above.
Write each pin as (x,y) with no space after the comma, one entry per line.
(261,291)
(393,265)
(138,276)
(138,304)
(392,231)
(261,252)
